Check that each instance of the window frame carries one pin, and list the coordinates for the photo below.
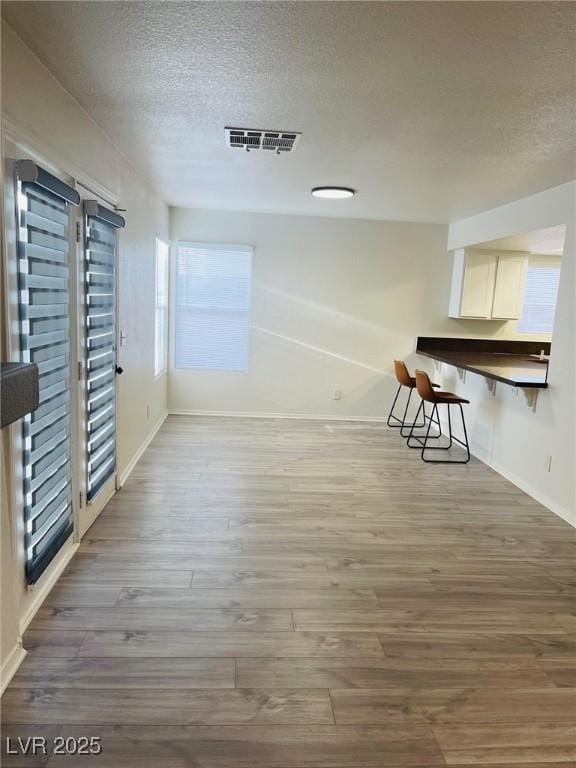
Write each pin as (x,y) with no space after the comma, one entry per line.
(162,249)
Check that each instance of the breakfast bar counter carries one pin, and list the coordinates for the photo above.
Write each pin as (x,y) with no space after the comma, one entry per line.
(516,363)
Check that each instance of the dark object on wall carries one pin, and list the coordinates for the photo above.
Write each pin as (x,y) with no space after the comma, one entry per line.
(19,393)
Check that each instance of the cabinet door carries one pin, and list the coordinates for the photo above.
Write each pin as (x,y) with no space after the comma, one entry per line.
(478,285)
(509,290)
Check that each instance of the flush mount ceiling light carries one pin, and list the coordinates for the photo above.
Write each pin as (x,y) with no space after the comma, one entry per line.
(333,193)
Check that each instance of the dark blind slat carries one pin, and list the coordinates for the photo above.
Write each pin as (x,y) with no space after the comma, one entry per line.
(44,290)
(100,268)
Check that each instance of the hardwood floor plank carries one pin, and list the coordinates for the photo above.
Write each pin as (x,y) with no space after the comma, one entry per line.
(53,643)
(477,645)
(507,743)
(149,619)
(143,548)
(190,562)
(437,620)
(453,705)
(277,579)
(87,673)
(85,596)
(247,598)
(228,644)
(170,707)
(416,673)
(125,577)
(562,672)
(567,621)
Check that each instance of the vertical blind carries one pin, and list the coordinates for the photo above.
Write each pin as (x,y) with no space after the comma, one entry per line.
(212,313)
(540,295)
(100,277)
(44,309)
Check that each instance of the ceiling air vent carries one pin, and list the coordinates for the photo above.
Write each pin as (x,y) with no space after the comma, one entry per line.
(251,139)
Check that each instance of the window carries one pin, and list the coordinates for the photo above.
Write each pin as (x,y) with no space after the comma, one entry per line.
(540,295)
(212,322)
(161,331)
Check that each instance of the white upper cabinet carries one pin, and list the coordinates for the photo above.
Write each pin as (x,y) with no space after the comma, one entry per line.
(487,285)
(509,288)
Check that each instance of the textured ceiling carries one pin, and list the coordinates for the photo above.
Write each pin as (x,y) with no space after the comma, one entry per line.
(432,110)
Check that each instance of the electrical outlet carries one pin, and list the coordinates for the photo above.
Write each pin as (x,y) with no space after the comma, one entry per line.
(548,463)
(337,394)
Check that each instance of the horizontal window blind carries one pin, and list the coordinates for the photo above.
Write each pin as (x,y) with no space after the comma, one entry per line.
(161,318)
(44,308)
(100,277)
(540,296)
(212,313)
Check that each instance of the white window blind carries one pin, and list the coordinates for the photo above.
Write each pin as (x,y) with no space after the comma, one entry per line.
(161,332)
(540,297)
(212,313)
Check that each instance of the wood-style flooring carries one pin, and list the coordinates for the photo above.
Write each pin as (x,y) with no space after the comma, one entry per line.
(304,594)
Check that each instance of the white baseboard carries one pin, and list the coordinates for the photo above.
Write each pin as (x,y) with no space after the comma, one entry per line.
(10,666)
(480,454)
(41,592)
(566,515)
(301,416)
(138,455)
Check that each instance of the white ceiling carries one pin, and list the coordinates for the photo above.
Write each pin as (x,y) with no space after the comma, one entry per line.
(545,242)
(432,110)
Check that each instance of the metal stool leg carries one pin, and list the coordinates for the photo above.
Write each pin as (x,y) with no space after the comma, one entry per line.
(401,423)
(465,433)
(432,418)
(411,435)
(391,414)
(426,447)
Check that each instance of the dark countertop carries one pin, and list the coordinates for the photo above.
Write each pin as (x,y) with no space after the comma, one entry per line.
(515,363)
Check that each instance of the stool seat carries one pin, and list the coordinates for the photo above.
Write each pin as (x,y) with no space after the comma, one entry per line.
(448,397)
(412,383)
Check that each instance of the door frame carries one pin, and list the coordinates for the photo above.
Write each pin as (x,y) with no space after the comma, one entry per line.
(17,143)
(12,150)
(90,509)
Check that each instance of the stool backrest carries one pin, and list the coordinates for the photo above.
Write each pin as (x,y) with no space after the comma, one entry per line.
(402,374)
(424,387)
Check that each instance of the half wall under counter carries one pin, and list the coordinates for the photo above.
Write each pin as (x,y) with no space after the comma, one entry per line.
(516,363)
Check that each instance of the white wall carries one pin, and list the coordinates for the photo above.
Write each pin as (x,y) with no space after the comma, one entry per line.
(38,113)
(505,433)
(334,301)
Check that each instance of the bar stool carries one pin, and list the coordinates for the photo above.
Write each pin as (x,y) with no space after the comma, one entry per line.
(428,395)
(405,380)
